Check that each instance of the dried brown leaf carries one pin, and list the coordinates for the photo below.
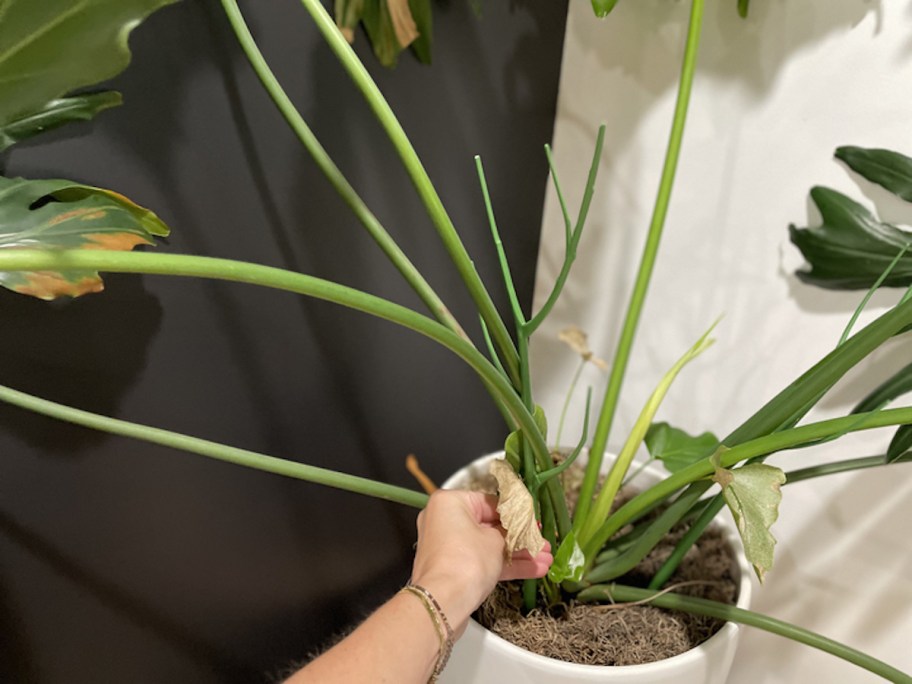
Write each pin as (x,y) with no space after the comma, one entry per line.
(517,514)
(575,338)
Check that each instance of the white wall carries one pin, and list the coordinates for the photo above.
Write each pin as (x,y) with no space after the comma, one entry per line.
(774,96)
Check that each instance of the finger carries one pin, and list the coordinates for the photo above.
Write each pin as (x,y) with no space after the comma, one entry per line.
(528,568)
(483,507)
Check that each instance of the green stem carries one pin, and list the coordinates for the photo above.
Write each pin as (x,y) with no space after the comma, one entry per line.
(870,293)
(570,391)
(276,278)
(779,441)
(568,224)
(422,182)
(724,611)
(335,177)
(647,262)
(572,238)
(332,172)
(845,466)
(711,507)
(533,462)
(765,427)
(626,561)
(221,452)
(688,540)
(518,316)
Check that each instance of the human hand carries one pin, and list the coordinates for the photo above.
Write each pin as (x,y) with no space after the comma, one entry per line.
(460,553)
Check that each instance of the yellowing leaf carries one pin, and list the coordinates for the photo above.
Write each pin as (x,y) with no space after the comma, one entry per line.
(753,493)
(517,514)
(60,214)
(50,285)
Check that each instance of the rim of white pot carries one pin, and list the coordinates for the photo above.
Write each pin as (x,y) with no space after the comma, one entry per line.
(727,632)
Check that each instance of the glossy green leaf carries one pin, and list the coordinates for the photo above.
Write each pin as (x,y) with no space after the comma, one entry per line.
(677,449)
(753,493)
(900,444)
(743,6)
(603,7)
(569,561)
(49,48)
(60,214)
(851,248)
(56,113)
(891,170)
(894,387)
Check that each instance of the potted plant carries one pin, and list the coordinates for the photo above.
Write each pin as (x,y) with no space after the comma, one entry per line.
(66,218)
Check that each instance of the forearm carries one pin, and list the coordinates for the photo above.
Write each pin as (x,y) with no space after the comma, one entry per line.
(398,644)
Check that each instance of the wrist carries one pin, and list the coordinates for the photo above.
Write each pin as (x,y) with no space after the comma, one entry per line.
(454,596)
(445,633)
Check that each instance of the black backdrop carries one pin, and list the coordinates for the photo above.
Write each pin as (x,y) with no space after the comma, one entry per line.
(120,561)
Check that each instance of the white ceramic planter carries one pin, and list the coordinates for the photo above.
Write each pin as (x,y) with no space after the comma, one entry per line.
(481,656)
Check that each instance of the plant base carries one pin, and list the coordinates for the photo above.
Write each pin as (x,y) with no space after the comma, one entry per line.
(482,656)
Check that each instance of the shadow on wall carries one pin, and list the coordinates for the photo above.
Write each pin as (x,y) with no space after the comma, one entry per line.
(16,659)
(749,54)
(86,352)
(855,532)
(108,594)
(752,52)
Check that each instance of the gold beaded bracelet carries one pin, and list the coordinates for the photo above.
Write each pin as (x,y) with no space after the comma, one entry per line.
(444,631)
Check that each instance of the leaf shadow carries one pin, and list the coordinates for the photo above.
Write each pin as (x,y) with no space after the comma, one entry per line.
(747,56)
(118,599)
(86,352)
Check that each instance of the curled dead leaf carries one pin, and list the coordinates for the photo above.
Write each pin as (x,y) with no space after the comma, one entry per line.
(517,513)
(575,338)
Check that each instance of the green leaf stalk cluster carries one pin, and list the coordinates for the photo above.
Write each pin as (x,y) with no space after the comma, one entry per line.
(851,249)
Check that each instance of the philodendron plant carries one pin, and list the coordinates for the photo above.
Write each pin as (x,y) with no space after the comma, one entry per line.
(56,236)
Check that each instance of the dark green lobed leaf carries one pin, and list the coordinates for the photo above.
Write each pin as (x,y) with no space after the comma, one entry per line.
(56,113)
(891,170)
(52,47)
(851,248)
